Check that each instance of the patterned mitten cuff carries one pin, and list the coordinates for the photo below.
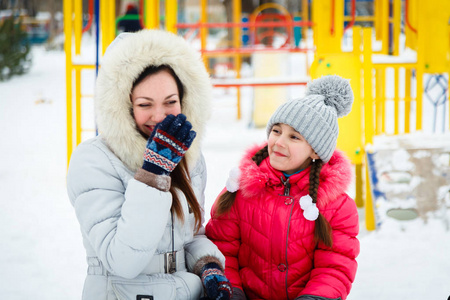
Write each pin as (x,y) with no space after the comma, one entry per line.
(216,285)
(160,182)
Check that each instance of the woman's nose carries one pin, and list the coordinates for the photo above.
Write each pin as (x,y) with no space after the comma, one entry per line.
(158,115)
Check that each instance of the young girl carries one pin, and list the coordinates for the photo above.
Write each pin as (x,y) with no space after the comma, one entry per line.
(285,224)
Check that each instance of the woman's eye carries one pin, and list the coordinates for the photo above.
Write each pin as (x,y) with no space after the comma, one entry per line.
(172,102)
(143,105)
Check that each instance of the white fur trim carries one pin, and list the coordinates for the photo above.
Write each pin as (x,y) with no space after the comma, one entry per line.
(232,184)
(125,59)
(310,210)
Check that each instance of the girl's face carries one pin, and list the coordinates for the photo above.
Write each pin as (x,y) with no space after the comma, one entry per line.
(289,152)
(154,98)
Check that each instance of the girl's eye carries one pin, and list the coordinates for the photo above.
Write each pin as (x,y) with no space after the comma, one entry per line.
(143,105)
(275,130)
(172,102)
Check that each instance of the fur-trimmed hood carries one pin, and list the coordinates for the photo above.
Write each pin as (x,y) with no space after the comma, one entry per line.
(335,177)
(127,56)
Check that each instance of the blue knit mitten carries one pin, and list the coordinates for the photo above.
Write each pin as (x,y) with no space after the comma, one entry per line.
(217,286)
(167,144)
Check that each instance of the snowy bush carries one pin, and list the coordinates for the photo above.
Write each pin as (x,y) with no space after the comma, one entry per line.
(14,49)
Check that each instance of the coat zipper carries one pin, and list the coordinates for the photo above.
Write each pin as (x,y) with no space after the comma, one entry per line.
(287,189)
(287,186)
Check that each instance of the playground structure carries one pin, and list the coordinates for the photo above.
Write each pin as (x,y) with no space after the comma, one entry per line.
(373,64)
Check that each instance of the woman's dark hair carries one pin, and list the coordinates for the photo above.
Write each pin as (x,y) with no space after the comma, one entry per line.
(180,175)
(150,70)
(322,230)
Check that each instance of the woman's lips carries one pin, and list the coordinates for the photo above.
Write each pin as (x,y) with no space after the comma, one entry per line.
(150,127)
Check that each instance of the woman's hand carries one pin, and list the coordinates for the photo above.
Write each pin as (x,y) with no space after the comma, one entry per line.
(167,144)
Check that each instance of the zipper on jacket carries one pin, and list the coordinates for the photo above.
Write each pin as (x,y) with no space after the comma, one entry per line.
(287,243)
(287,189)
(287,186)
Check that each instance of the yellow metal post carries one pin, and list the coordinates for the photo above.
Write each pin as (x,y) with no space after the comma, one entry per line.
(78,25)
(396,101)
(421,45)
(384,26)
(237,45)
(379,98)
(368,101)
(104,25)
(377,7)
(407,99)
(305,17)
(107,23)
(68,51)
(368,122)
(204,30)
(357,31)
(151,9)
(359,185)
(397,20)
(112,21)
(78,105)
(171,15)
(411,25)
(382,86)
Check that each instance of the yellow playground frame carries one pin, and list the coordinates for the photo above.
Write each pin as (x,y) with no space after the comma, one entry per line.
(426,29)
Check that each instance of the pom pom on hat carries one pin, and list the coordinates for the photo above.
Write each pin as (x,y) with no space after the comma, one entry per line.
(336,90)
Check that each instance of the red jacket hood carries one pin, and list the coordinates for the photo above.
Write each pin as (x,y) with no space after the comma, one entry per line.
(335,176)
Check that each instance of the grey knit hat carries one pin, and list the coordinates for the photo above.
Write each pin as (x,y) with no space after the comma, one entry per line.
(315,116)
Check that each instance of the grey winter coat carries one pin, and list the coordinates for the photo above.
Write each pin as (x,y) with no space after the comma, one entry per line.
(126,225)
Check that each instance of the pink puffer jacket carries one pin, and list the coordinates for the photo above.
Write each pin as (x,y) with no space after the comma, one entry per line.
(269,245)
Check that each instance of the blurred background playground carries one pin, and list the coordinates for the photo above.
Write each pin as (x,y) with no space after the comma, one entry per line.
(260,53)
(395,53)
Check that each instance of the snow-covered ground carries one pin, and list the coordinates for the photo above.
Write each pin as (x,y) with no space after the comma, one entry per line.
(42,256)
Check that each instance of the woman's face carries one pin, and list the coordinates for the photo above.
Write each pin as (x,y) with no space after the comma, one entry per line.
(155,97)
(289,152)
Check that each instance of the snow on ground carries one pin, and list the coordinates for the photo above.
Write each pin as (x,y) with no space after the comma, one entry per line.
(42,256)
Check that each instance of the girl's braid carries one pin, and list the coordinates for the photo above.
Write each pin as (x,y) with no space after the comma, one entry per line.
(314,179)
(322,229)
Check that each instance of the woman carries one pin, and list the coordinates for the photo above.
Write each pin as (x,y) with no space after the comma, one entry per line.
(138,187)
